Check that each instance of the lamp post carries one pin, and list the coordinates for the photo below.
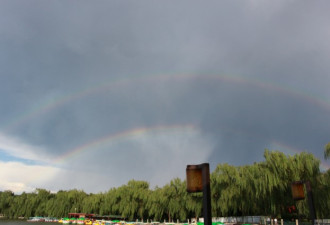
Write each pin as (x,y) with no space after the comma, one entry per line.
(297,189)
(298,193)
(198,179)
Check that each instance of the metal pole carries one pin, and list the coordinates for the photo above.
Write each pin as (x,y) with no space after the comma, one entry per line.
(310,201)
(206,194)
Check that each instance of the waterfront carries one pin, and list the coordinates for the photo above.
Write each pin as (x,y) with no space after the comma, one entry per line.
(249,220)
(24,222)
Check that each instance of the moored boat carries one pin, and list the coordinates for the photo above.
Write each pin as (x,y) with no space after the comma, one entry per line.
(96,222)
(36,219)
(51,219)
(88,222)
(81,220)
(66,220)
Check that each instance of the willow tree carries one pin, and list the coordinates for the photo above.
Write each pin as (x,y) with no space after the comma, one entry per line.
(6,198)
(157,203)
(327,151)
(278,172)
(92,203)
(42,198)
(252,187)
(262,188)
(133,199)
(111,202)
(62,204)
(176,192)
(286,169)
(21,205)
(225,190)
(76,198)
(321,194)
(194,204)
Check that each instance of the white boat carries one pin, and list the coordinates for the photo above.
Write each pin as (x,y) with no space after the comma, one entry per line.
(36,219)
(51,219)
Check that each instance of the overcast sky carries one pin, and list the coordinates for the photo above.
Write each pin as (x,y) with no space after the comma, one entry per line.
(96,93)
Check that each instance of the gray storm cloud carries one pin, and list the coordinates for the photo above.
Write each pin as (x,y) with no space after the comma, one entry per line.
(244,74)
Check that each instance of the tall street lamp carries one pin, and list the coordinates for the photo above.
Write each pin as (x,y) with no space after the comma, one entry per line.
(298,193)
(198,180)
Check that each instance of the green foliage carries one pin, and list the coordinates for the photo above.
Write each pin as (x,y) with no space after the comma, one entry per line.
(133,199)
(259,189)
(327,151)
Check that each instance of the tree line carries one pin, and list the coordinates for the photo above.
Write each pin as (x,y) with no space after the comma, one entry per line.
(262,188)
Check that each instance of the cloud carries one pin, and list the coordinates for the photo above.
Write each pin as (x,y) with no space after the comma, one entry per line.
(154,155)
(19,177)
(17,148)
(244,75)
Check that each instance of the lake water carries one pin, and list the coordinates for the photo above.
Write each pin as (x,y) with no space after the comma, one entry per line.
(23,222)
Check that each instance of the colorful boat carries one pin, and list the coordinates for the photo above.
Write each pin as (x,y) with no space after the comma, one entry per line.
(81,220)
(66,220)
(88,222)
(97,222)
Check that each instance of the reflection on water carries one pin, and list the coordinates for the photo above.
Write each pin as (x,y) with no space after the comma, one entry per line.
(24,222)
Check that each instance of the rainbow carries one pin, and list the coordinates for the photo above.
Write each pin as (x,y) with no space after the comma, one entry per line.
(136,132)
(59,101)
(121,136)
